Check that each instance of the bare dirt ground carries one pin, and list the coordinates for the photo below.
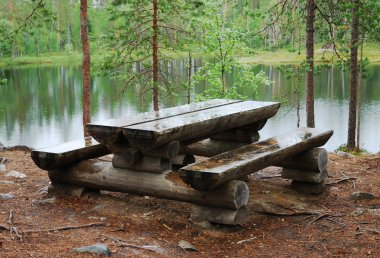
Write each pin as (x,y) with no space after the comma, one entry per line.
(282,223)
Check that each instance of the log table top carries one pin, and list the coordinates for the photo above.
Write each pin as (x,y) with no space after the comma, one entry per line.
(108,131)
(194,121)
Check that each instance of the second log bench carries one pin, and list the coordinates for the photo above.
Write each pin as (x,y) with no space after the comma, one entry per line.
(219,169)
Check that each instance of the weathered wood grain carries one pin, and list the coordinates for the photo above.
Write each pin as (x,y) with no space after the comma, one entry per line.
(198,124)
(103,176)
(146,163)
(68,153)
(209,148)
(109,131)
(215,171)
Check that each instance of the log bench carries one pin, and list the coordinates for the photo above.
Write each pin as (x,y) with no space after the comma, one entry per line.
(149,148)
(219,169)
(68,153)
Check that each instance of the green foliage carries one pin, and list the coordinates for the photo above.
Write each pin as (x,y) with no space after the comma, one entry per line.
(3,81)
(222,40)
(356,151)
(246,78)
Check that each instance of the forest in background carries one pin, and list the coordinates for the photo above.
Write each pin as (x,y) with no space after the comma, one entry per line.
(264,25)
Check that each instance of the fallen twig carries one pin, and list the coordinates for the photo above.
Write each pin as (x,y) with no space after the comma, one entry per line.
(121,242)
(245,240)
(10,217)
(66,228)
(14,231)
(341,180)
(372,230)
(3,227)
(328,217)
(321,216)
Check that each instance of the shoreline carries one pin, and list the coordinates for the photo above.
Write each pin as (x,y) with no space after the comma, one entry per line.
(277,57)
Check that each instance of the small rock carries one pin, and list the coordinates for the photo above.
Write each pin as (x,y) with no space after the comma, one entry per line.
(16,174)
(187,246)
(45,201)
(344,154)
(7,196)
(362,196)
(3,160)
(95,249)
(2,168)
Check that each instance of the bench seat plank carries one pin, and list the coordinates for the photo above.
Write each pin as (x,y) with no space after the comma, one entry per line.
(198,124)
(108,131)
(243,161)
(68,153)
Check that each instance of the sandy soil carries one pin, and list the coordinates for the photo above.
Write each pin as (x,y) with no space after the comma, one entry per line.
(282,223)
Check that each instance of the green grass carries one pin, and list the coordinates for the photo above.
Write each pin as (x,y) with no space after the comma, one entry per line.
(356,151)
(284,56)
(276,57)
(48,59)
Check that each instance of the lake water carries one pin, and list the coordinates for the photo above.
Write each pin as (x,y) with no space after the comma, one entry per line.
(41,106)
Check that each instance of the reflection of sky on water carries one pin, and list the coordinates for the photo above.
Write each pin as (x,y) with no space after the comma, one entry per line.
(333,115)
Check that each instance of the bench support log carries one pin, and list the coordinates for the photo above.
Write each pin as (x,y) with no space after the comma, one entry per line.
(182,160)
(201,215)
(148,164)
(237,135)
(304,175)
(103,176)
(209,148)
(311,160)
(308,188)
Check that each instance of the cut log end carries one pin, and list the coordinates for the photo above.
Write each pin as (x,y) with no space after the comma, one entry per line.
(203,214)
(303,175)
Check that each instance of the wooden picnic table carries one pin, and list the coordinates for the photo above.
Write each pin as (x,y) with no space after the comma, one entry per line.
(149,148)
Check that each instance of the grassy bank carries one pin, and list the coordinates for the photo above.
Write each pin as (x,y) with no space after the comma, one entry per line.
(277,57)
(47,59)
(284,56)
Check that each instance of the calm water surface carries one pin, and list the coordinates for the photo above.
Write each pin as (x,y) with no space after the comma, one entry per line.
(41,106)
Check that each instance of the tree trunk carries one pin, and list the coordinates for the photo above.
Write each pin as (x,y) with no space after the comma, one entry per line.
(155,55)
(353,75)
(189,82)
(360,84)
(85,65)
(310,60)
(59,24)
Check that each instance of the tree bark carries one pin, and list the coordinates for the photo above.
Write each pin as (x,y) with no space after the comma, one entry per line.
(353,75)
(85,65)
(310,6)
(155,55)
